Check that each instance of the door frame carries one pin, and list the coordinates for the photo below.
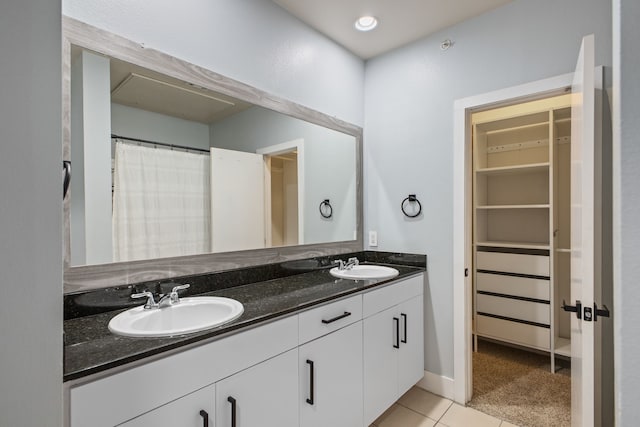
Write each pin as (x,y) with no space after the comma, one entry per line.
(462,215)
(298,145)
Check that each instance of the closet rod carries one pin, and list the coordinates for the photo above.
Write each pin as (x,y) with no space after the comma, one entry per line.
(163,144)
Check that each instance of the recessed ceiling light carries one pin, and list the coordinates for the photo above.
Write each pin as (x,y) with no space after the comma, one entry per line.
(366,23)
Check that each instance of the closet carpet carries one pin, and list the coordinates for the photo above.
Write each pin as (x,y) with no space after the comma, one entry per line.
(517,386)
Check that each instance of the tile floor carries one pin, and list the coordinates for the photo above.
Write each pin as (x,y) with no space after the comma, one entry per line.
(419,408)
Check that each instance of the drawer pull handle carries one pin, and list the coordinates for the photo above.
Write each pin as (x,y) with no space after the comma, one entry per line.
(397,322)
(311,376)
(342,316)
(233,410)
(205,418)
(404,337)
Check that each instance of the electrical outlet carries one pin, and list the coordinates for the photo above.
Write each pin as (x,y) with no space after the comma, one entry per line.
(373,238)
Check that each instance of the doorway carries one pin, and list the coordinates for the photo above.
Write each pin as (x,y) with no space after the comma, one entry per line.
(520,245)
(463,218)
(283,169)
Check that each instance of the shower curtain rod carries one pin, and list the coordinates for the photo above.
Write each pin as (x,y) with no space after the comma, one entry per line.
(163,144)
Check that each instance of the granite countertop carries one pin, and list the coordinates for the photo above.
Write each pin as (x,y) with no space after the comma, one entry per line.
(89,347)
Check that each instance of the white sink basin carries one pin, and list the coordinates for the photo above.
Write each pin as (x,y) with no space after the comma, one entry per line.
(189,315)
(361,272)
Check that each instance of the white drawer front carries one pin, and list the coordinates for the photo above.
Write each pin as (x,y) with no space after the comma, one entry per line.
(537,265)
(383,298)
(510,285)
(514,332)
(513,308)
(328,318)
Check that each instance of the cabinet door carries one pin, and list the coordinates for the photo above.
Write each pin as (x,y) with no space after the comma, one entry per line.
(192,410)
(411,351)
(380,338)
(264,395)
(330,371)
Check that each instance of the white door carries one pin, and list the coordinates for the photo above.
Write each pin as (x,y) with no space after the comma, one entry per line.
(584,386)
(265,395)
(330,379)
(193,410)
(237,201)
(411,352)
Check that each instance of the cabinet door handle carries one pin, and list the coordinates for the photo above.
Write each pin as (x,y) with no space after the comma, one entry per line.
(397,322)
(342,316)
(205,418)
(233,410)
(311,377)
(404,336)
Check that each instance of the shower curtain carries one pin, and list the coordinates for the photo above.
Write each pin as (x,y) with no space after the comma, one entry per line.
(161,203)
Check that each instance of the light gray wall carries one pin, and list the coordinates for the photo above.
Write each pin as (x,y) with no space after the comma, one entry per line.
(409,96)
(253,41)
(137,123)
(30,214)
(626,194)
(330,159)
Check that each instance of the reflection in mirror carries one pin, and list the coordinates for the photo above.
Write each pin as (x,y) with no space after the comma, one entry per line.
(163,168)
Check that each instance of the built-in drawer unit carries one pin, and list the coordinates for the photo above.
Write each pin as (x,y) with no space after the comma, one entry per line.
(325,319)
(524,287)
(514,332)
(527,311)
(518,263)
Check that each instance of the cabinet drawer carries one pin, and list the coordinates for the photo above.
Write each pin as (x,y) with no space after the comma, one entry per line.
(510,285)
(513,308)
(537,265)
(328,318)
(383,298)
(517,333)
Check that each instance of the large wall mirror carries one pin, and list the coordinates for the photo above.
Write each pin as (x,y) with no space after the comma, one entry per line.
(177,170)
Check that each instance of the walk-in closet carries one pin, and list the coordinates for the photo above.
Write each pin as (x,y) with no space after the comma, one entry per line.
(521,234)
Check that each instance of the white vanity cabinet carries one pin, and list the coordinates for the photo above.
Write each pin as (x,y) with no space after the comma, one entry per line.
(264,395)
(330,367)
(393,337)
(326,366)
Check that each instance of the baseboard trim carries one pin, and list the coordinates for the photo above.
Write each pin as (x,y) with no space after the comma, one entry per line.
(437,384)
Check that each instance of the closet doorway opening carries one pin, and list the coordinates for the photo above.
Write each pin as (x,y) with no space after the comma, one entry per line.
(520,258)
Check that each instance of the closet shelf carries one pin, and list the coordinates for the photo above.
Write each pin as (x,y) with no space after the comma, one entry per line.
(526,168)
(563,250)
(486,207)
(563,347)
(521,245)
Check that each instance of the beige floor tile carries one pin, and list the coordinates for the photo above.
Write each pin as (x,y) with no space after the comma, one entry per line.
(383,416)
(460,416)
(399,416)
(507,424)
(425,403)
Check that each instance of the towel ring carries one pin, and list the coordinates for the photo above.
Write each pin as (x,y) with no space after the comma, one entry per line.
(326,211)
(411,199)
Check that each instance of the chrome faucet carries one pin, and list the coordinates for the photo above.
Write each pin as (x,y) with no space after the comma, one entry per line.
(166,300)
(351,262)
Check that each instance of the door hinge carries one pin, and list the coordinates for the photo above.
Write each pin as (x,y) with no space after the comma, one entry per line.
(466,272)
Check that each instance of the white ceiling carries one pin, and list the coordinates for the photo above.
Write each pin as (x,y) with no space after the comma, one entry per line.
(399,21)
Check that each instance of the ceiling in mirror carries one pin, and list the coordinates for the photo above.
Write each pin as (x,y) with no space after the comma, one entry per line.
(253,178)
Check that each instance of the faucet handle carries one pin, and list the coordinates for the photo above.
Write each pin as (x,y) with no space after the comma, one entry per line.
(151,303)
(341,263)
(353,261)
(174,292)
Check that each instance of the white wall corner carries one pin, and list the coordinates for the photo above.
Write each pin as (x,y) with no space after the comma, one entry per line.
(437,384)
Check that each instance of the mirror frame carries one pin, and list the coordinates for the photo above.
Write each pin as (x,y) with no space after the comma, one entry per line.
(81,278)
